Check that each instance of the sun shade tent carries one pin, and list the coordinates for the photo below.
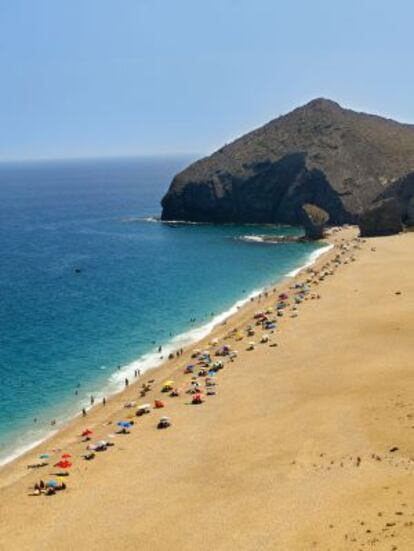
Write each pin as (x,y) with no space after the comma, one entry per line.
(164,423)
(143,409)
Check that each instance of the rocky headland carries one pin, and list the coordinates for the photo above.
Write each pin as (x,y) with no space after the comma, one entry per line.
(337,159)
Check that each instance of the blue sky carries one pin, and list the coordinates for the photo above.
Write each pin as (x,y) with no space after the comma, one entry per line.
(86,78)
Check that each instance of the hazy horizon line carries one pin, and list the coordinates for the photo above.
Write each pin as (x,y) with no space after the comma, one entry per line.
(28,160)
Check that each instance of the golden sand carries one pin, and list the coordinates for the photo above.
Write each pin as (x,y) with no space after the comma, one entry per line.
(293,453)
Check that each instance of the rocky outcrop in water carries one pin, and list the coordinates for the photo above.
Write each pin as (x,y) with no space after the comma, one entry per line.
(382,218)
(314,220)
(403,191)
(335,158)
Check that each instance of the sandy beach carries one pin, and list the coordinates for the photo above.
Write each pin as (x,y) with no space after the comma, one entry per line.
(306,445)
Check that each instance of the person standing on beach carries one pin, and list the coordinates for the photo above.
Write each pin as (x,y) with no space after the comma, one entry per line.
(104,401)
(126,382)
(92,400)
(83,412)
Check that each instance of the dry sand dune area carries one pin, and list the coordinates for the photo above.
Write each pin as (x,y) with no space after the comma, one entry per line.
(308,442)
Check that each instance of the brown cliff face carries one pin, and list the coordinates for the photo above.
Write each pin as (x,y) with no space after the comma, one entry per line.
(335,158)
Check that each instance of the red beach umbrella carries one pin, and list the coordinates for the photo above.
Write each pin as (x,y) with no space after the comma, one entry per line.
(87,432)
(63,464)
(66,456)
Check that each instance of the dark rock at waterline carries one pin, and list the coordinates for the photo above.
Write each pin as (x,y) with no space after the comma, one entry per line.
(335,158)
(314,220)
(381,218)
(403,191)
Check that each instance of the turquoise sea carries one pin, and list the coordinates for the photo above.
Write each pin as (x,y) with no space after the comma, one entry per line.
(90,281)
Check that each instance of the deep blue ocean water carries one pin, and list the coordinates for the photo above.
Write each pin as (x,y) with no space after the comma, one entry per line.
(140,283)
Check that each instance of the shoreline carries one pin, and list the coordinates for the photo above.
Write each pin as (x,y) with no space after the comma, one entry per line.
(179,341)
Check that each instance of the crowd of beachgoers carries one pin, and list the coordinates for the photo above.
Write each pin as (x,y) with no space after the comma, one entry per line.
(201,373)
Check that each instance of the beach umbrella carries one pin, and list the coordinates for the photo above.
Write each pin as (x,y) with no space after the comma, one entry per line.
(52,484)
(63,464)
(66,456)
(101,443)
(44,456)
(124,424)
(87,432)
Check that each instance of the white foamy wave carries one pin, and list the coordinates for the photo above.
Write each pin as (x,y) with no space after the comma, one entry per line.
(273,239)
(31,442)
(252,238)
(313,257)
(157,220)
(184,223)
(151,219)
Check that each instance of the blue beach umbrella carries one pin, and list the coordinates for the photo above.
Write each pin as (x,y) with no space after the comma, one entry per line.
(52,484)
(124,424)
